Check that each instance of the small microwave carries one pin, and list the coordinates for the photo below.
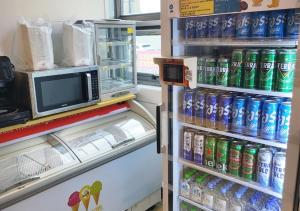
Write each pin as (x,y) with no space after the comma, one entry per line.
(57,90)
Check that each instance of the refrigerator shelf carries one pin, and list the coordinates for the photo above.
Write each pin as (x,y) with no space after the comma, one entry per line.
(238,136)
(249,91)
(194,203)
(241,181)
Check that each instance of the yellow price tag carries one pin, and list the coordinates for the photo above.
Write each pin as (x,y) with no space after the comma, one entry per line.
(130,30)
(196,7)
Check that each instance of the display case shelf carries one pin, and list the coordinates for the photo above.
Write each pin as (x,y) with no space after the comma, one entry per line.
(249,91)
(271,143)
(114,43)
(238,180)
(194,203)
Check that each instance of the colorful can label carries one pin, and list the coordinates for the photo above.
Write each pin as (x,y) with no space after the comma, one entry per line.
(253,117)
(201,27)
(210,71)
(210,151)
(292,30)
(215,26)
(211,110)
(201,70)
(236,68)
(264,163)
(235,158)
(277,20)
(259,25)
(222,155)
(269,118)
(224,112)
(278,171)
(199,149)
(238,114)
(249,162)
(188,137)
(267,69)
(222,72)
(188,106)
(190,28)
(243,25)
(284,117)
(286,64)
(200,107)
(228,25)
(251,68)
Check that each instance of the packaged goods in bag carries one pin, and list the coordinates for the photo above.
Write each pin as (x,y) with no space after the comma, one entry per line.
(78,44)
(33,47)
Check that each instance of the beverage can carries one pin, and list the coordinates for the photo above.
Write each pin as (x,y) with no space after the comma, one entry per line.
(188,106)
(253,117)
(267,69)
(243,25)
(292,29)
(236,68)
(211,110)
(190,29)
(228,25)
(222,71)
(222,155)
(210,71)
(259,25)
(268,120)
(277,20)
(201,27)
(238,114)
(199,149)
(264,163)
(215,26)
(201,69)
(278,171)
(286,64)
(235,158)
(249,162)
(200,107)
(251,68)
(210,151)
(284,117)
(224,112)
(188,137)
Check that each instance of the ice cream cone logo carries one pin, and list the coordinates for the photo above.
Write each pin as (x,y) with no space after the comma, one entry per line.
(274,4)
(95,191)
(74,201)
(85,194)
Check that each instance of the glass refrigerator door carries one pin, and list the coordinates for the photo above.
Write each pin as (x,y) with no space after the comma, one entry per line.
(115,55)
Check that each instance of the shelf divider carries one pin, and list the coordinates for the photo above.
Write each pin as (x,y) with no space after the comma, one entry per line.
(194,203)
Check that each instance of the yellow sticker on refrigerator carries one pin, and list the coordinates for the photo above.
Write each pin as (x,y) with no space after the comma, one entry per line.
(130,30)
(196,7)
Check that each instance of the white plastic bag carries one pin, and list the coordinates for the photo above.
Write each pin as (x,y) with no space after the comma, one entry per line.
(33,47)
(78,44)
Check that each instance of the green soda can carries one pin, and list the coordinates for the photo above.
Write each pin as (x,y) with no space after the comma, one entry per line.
(285,70)
(236,68)
(235,158)
(267,68)
(222,72)
(249,162)
(210,151)
(210,71)
(222,155)
(250,68)
(201,69)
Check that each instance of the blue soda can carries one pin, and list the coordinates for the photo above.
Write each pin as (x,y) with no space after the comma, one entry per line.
(188,106)
(238,114)
(202,27)
(214,26)
(228,25)
(268,120)
(190,28)
(253,117)
(211,110)
(284,117)
(200,108)
(224,112)
(278,171)
(263,170)
(276,24)
(259,25)
(243,25)
(292,29)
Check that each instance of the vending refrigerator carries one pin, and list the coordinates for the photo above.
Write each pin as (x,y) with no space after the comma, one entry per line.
(190,54)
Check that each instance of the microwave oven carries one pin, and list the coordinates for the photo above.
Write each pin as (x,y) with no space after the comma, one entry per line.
(57,90)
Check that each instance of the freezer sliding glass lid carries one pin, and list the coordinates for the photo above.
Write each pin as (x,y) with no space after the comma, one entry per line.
(26,161)
(103,135)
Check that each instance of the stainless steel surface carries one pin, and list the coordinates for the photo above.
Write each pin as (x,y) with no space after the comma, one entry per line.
(89,85)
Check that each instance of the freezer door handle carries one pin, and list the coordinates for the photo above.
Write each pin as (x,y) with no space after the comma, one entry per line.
(22,183)
(158,144)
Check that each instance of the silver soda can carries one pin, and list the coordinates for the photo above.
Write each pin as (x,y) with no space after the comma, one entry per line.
(278,170)
(188,137)
(264,163)
(199,148)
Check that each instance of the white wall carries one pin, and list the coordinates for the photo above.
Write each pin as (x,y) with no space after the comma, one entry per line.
(52,10)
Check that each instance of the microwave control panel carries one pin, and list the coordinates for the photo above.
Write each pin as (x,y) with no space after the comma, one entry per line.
(95,84)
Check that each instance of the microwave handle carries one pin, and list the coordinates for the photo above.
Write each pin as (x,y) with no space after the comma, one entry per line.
(89,86)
